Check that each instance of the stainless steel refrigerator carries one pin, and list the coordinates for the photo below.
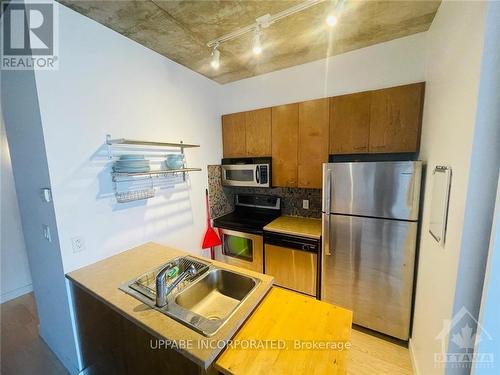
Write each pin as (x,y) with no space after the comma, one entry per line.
(370,220)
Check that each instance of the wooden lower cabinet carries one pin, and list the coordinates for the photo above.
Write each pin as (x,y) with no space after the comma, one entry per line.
(111,344)
(285,123)
(313,142)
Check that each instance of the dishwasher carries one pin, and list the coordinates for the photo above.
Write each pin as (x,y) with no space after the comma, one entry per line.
(293,261)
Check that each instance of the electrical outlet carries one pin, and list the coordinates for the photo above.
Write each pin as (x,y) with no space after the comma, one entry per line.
(78,244)
(305,204)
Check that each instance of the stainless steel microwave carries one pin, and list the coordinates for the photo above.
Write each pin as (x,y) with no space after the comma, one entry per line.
(246,172)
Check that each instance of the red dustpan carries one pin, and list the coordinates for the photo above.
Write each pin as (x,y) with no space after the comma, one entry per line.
(211,238)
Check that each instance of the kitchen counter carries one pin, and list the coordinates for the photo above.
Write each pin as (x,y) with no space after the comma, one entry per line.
(286,318)
(102,279)
(297,226)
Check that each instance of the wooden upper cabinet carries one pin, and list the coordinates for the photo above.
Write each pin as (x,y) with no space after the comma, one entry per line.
(233,135)
(285,126)
(350,123)
(396,118)
(313,142)
(258,132)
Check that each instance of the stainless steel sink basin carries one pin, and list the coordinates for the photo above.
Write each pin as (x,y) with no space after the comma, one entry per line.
(216,295)
(203,302)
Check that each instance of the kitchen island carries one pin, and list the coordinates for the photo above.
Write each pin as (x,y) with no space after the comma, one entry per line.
(120,334)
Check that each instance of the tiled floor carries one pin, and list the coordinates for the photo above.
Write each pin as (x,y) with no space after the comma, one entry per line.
(24,352)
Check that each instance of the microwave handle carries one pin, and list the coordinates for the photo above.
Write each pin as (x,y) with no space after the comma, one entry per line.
(257,174)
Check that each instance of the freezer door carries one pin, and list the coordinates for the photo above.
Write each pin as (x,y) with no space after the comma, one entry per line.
(367,267)
(378,189)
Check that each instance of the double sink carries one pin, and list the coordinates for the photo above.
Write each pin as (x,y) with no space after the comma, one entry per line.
(203,301)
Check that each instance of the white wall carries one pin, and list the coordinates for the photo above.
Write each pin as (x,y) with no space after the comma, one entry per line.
(27,150)
(455,46)
(15,271)
(482,187)
(491,300)
(393,63)
(109,84)
(106,83)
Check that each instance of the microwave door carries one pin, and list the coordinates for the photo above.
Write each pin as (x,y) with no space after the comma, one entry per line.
(239,175)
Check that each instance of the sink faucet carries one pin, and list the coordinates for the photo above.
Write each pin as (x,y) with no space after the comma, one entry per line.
(161,285)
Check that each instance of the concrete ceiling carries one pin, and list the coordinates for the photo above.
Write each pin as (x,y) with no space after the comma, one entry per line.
(180,30)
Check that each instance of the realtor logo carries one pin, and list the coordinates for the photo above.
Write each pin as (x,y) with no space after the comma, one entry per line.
(29,35)
(466,332)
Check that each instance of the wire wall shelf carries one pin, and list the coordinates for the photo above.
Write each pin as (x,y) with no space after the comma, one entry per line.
(135,195)
(129,185)
(154,173)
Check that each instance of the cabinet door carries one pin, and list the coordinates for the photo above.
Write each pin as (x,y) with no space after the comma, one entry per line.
(313,142)
(350,123)
(233,135)
(395,118)
(258,132)
(285,127)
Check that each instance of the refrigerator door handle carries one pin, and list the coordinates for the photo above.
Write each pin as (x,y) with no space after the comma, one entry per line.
(326,234)
(327,185)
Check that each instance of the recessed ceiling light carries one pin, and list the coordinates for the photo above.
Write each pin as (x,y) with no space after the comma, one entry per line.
(215,58)
(331,20)
(257,47)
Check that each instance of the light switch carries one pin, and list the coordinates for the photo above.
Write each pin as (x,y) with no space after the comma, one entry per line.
(47,195)
(305,204)
(46,233)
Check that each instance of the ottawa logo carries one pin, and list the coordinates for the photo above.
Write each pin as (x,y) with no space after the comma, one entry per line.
(464,333)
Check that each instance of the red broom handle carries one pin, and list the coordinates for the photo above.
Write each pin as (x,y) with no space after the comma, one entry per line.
(208,208)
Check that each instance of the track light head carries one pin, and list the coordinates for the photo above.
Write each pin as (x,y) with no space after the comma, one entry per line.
(331,20)
(257,46)
(215,63)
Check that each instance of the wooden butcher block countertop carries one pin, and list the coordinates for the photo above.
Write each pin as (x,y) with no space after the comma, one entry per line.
(102,280)
(297,325)
(297,226)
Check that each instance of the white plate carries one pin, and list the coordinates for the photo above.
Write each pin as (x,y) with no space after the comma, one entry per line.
(131,170)
(132,164)
(131,157)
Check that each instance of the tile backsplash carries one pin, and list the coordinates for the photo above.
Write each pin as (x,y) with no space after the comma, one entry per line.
(222,198)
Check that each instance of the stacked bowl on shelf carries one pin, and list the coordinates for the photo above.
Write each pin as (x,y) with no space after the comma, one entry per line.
(174,161)
(131,164)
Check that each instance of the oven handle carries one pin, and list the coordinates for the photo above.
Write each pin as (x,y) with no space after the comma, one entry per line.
(257,174)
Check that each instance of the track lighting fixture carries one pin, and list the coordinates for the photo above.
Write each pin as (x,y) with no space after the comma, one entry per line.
(266,21)
(215,58)
(257,47)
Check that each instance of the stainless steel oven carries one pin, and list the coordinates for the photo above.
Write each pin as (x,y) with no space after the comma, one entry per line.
(241,249)
(246,172)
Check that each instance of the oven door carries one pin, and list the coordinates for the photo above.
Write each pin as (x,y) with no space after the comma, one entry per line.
(241,249)
(247,175)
